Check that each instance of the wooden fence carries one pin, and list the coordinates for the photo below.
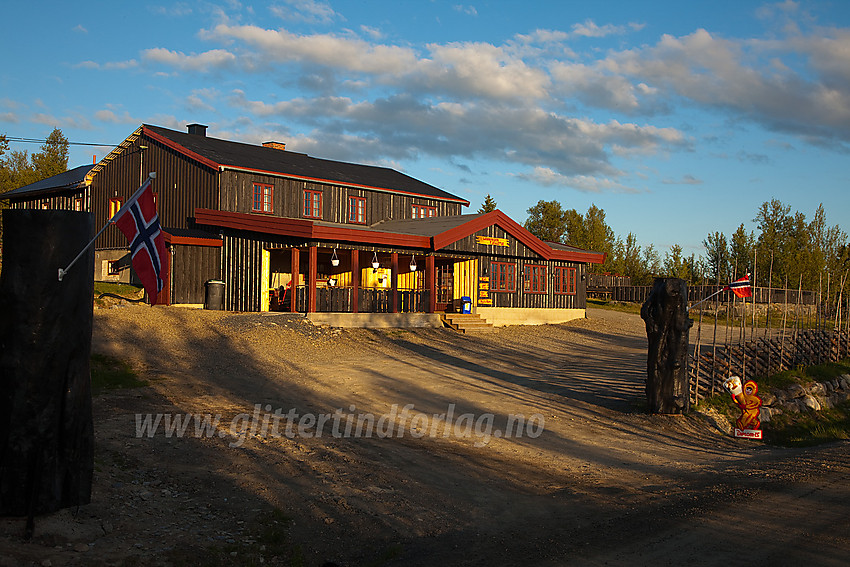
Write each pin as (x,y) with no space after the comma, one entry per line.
(639,293)
(711,365)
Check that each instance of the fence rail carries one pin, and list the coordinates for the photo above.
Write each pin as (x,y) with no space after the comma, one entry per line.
(711,365)
(639,293)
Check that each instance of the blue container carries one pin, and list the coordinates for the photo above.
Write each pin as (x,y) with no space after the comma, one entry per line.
(467,304)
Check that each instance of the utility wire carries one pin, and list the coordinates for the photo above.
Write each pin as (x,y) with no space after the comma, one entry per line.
(36,141)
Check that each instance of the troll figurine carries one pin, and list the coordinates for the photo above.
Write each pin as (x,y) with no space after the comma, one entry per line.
(748,424)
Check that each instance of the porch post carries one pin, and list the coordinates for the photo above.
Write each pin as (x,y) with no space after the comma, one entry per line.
(394,280)
(311,277)
(293,284)
(431,282)
(355,281)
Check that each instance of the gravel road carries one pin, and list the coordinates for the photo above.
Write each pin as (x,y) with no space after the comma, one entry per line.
(591,480)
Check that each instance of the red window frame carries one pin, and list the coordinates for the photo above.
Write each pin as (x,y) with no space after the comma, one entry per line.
(423,211)
(312,204)
(263,198)
(357,210)
(534,280)
(78,204)
(114,206)
(502,276)
(565,280)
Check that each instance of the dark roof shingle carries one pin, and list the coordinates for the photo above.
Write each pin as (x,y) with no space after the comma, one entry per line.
(71,179)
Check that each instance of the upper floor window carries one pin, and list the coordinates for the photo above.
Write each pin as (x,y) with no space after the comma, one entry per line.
(424,211)
(535,279)
(502,276)
(114,206)
(357,210)
(263,198)
(312,204)
(78,204)
(565,281)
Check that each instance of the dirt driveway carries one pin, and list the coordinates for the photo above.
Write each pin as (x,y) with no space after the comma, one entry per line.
(591,481)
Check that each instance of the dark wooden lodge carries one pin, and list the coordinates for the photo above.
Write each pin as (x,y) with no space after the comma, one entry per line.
(287,231)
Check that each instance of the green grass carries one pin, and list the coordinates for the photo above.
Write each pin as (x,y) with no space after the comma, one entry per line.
(623,306)
(795,429)
(109,373)
(124,290)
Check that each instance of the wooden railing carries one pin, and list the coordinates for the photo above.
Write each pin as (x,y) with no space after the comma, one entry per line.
(370,300)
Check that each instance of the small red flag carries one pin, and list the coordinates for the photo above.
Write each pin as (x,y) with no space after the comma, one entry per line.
(139,222)
(741,287)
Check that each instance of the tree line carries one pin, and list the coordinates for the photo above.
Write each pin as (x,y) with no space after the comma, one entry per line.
(785,250)
(19,168)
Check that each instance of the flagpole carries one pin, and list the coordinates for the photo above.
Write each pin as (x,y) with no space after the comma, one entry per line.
(130,201)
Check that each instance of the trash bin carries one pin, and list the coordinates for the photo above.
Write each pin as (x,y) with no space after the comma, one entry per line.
(466,302)
(214,295)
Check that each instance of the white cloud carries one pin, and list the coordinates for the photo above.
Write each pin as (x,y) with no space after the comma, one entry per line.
(80,29)
(109,66)
(309,11)
(469,10)
(687,179)
(584,183)
(206,61)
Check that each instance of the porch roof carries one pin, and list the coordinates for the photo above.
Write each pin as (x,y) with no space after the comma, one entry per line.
(430,234)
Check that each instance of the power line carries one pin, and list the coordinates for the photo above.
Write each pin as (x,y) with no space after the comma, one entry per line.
(37,141)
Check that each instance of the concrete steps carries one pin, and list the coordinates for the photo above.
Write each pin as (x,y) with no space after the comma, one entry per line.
(466,323)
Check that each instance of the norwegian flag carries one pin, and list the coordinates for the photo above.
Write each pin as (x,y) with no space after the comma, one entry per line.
(139,222)
(741,287)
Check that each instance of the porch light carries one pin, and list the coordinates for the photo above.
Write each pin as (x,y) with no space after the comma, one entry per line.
(375,263)
(334,259)
(413,263)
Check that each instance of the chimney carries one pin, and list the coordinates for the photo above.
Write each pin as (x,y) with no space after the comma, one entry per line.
(197,129)
(275,145)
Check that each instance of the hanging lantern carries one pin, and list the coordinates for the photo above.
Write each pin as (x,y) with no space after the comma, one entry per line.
(375,263)
(334,259)
(413,263)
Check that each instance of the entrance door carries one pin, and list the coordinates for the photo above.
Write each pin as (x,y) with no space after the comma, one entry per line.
(445,285)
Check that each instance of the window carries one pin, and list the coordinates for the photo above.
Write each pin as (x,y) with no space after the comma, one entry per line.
(78,204)
(502,276)
(114,267)
(424,211)
(114,205)
(565,281)
(312,204)
(357,210)
(263,195)
(535,279)
(45,204)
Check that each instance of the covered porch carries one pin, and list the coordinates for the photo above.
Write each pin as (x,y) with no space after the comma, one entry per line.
(350,279)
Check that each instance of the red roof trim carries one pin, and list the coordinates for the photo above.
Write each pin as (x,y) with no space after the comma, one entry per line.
(192,240)
(343,183)
(304,228)
(180,149)
(510,226)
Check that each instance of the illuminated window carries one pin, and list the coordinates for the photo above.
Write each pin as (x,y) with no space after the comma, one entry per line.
(424,211)
(357,210)
(263,196)
(114,205)
(114,267)
(312,204)
(78,204)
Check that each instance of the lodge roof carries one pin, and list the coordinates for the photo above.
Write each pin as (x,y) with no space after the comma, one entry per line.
(226,154)
(431,226)
(67,180)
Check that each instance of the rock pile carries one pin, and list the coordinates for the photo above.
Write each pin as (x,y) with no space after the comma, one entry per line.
(797,398)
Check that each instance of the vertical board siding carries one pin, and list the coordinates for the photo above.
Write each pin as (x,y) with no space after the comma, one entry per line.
(237,195)
(192,267)
(181,185)
(550,299)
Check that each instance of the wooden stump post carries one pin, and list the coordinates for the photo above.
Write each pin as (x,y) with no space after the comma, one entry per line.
(46,428)
(665,313)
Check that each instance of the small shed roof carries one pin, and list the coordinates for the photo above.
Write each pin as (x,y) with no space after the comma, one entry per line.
(66,181)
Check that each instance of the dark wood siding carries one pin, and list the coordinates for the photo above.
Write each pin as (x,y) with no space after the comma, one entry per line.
(65,201)
(237,195)
(550,299)
(192,267)
(181,185)
(515,248)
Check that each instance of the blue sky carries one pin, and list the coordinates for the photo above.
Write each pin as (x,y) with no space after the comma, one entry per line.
(677,118)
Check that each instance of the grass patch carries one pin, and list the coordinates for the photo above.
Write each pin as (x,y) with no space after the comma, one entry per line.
(124,290)
(109,373)
(789,429)
(622,306)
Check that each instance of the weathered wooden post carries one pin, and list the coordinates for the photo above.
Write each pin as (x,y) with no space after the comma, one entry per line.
(46,431)
(665,313)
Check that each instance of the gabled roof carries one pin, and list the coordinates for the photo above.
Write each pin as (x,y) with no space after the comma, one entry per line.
(432,233)
(225,154)
(66,181)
